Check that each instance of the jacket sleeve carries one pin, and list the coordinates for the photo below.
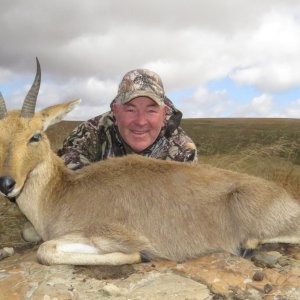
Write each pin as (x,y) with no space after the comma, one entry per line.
(81,147)
(182,148)
(189,149)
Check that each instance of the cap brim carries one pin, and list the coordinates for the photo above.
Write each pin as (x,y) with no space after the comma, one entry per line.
(136,94)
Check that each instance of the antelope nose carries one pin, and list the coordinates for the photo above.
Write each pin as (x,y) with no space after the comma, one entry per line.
(7,184)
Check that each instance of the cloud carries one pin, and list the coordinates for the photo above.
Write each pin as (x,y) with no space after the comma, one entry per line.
(5,74)
(272,62)
(219,104)
(292,110)
(261,106)
(203,104)
(95,94)
(85,47)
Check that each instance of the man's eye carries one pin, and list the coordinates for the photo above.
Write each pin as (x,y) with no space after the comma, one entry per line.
(35,138)
(152,111)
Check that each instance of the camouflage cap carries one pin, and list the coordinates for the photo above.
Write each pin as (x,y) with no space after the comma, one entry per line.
(140,82)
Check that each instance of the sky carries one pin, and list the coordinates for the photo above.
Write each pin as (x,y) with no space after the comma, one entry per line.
(216,58)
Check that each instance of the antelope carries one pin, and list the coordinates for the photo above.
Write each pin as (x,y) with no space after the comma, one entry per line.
(132,209)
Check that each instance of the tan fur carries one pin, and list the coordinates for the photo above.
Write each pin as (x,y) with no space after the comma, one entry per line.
(110,211)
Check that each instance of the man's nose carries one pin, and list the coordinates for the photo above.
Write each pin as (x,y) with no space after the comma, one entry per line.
(141,119)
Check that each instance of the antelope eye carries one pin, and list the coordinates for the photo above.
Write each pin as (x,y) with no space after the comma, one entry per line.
(35,138)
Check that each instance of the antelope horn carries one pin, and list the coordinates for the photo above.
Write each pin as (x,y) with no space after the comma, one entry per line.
(30,100)
(3,111)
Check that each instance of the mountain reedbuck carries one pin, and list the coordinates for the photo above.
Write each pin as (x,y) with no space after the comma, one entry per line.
(126,210)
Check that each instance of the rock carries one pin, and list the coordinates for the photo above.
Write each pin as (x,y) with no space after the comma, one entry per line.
(156,285)
(216,276)
(268,288)
(232,276)
(24,278)
(6,251)
(112,290)
(266,259)
(258,276)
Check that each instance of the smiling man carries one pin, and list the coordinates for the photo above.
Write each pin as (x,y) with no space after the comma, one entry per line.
(142,120)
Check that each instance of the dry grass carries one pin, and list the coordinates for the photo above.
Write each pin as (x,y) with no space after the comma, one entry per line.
(274,162)
(11,223)
(232,136)
(268,148)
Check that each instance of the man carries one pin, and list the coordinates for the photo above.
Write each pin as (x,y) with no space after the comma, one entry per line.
(142,120)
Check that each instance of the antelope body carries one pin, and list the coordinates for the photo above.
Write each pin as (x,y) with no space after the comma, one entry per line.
(125,209)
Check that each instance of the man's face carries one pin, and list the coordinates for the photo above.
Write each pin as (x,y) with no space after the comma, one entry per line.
(139,121)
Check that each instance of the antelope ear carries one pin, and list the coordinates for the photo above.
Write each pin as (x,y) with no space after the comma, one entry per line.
(56,113)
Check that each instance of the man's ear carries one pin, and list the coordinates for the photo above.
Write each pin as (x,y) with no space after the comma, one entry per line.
(166,110)
(114,107)
(115,111)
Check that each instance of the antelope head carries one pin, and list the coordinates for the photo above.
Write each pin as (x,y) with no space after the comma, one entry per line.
(23,143)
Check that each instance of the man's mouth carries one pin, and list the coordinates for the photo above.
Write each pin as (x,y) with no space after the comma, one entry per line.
(140,133)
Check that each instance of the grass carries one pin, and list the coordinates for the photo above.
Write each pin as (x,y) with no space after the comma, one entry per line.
(268,148)
(226,136)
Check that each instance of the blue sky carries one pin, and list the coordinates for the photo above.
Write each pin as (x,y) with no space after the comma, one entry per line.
(236,92)
(215,61)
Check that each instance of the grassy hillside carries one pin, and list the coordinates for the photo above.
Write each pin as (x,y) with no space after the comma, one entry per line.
(269,148)
(224,136)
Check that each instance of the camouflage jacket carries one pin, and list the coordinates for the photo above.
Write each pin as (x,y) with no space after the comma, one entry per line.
(99,138)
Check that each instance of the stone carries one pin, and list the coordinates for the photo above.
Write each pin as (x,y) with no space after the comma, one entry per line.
(6,251)
(266,259)
(155,285)
(215,276)
(232,276)
(112,290)
(22,277)
(258,276)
